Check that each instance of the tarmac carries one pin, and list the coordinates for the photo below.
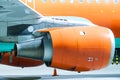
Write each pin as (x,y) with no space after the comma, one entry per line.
(112,72)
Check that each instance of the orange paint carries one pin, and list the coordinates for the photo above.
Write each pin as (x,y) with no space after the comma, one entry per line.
(20,62)
(79,48)
(103,14)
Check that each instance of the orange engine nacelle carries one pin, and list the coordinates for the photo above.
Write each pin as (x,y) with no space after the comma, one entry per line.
(81,48)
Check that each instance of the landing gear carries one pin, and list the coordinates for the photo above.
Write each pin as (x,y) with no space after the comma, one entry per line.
(1,56)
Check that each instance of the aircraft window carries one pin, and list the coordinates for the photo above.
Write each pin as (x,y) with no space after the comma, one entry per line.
(97,1)
(116,1)
(107,1)
(44,0)
(81,1)
(62,1)
(71,1)
(89,1)
(53,1)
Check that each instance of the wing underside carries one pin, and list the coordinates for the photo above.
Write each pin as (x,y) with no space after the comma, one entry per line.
(14,12)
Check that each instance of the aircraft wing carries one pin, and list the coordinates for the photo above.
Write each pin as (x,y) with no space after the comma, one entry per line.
(13,12)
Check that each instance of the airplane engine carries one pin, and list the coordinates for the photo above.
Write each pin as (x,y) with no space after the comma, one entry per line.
(72,48)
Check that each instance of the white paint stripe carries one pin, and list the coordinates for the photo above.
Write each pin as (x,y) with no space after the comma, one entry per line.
(31,8)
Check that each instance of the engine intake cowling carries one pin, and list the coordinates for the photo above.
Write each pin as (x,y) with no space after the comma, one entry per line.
(81,48)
